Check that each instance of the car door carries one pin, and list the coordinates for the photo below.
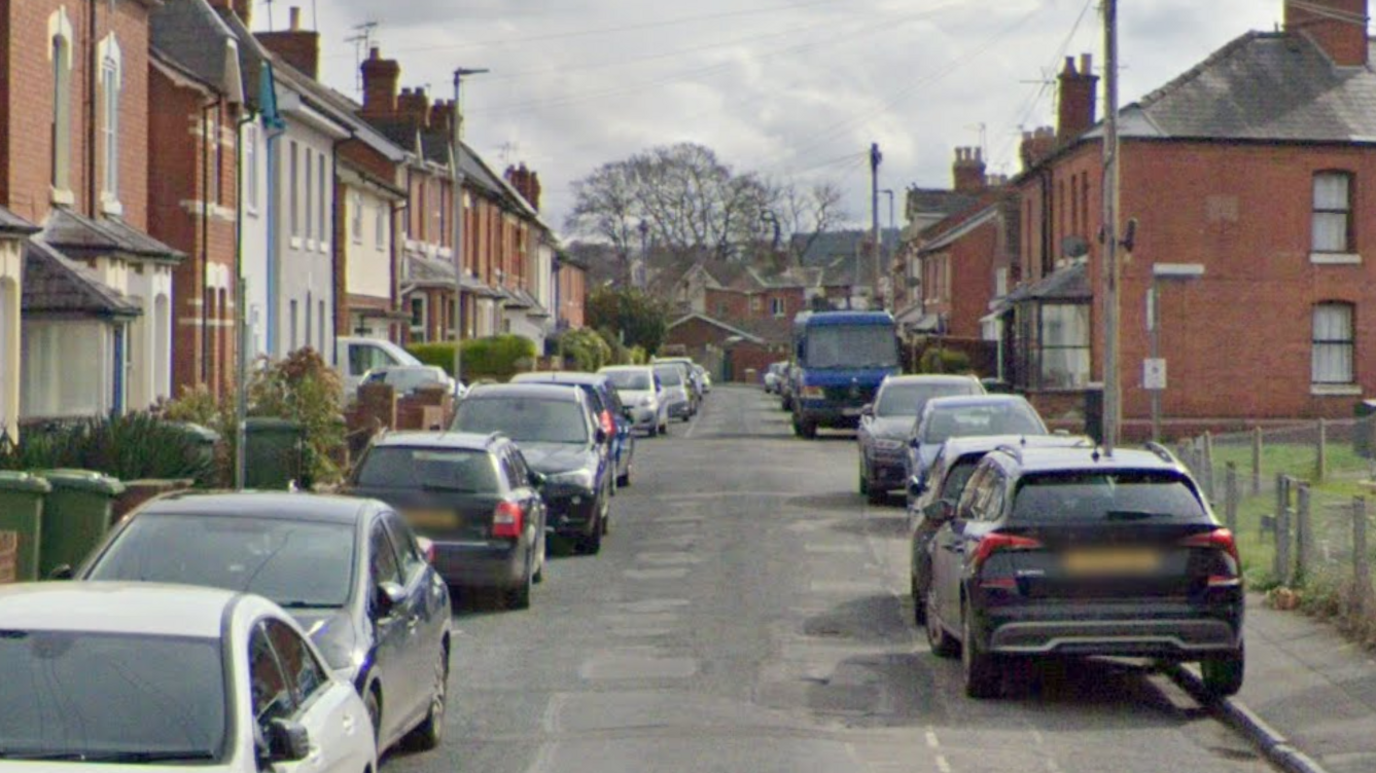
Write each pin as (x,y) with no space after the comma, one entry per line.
(391,633)
(625,440)
(948,550)
(423,616)
(289,682)
(912,462)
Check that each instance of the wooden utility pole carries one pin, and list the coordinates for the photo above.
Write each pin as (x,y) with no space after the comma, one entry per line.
(1109,279)
(875,158)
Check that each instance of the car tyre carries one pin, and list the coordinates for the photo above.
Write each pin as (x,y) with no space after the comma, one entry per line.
(519,596)
(372,703)
(1223,674)
(982,677)
(591,544)
(864,481)
(429,734)
(943,644)
(624,480)
(807,429)
(919,602)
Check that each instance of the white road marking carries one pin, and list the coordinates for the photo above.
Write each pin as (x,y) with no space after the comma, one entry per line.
(832,548)
(942,765)
(932,741)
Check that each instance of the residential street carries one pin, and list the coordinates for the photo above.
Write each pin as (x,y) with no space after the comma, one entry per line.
(749,613)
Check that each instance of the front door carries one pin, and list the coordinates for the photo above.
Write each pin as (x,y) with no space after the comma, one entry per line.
(117,397)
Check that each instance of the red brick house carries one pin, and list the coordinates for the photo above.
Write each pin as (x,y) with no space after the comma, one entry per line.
(731,350)
(1255,242)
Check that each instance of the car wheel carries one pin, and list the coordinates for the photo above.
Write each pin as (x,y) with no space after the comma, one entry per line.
(430,732)
(942,644)
(807,429)
(919,602)
(519,597)
(982,677)
(373,704)
(540,553)
(591,544)
(864,480)
(1223,673)
(624,480)
(876,494)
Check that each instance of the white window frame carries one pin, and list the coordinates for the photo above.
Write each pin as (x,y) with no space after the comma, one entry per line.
(356,219)
(250,141)
(1323,247)
(294,191)
(1332,342)
(419,333)
(60,39)
(310,198)
(380,226)
(324,202)
(111,83)
(777,307)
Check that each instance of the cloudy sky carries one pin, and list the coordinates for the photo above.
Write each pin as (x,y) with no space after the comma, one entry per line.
(796,89)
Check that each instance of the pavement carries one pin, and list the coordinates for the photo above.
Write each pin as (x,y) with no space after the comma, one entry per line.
(749,612)
(1309,696)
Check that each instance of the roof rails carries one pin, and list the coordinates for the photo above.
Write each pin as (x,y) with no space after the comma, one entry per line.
(494,436)
(1011,450)
(1163,453)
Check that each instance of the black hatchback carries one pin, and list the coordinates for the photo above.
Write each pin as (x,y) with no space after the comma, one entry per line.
(474,496)
(1068,552)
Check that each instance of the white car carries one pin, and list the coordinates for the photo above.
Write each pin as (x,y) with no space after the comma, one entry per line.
(641,392)
(172,678)
(356,356)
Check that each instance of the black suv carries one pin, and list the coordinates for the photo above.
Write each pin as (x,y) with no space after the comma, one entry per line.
(1067,552)
(562,439)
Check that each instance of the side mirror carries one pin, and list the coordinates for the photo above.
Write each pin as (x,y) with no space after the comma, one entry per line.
(427,548)
(628,414)
(867,411)
(62,572)
(914,443)
(537,479)
(386,598)
(916,486)
(287,741)
(601,435)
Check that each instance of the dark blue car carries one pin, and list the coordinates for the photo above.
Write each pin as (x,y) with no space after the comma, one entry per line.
(610,412)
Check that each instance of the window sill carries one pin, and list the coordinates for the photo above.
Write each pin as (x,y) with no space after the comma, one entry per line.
(62,196)
(324,247)
(1335,259)
(1335,390)
(111,206)
(295,242)
(251,212)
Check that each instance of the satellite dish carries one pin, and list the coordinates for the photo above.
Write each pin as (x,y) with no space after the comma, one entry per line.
(1074,247)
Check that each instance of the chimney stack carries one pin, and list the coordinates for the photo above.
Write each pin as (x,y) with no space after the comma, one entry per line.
(526,183)
(1077,98)
(380,79)
(1336,26)
(299,47)
(414,105)
(241,8)
(969,170)
(442,116)
(1036,146)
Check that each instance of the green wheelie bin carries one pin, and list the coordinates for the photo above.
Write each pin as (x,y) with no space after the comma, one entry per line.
(274,453)
(21,524)
(76,516)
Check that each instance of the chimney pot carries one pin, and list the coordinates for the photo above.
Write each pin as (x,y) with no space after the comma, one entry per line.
(1086,64)
(295,18)
(1069,66)
(374,54)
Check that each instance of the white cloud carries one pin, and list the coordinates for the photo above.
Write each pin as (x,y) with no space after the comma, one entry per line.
(775,85)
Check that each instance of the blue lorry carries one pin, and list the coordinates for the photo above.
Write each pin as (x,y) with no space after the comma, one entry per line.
(840,358)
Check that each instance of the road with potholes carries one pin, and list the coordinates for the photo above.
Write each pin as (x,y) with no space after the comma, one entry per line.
(749,613)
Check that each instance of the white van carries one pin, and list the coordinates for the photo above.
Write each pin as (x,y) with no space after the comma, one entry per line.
(356,356)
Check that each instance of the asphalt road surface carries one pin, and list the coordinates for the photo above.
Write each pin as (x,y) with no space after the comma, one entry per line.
(749,613)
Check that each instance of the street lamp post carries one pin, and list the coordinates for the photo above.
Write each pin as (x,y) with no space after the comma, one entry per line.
(456,147)
(1154,370)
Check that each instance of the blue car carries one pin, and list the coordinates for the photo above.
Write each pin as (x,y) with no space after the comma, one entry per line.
(614,417)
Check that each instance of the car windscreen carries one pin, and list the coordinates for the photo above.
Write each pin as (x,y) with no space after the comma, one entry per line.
(1106,496)
(981,421)
(858,346)
(296,563)
(524,419)
(909,399)
(633,380)
(670,376)
(105,697)
(460,470)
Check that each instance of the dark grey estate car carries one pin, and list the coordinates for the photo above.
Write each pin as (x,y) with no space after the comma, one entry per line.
(886,424)
(349,570)
(1065,552)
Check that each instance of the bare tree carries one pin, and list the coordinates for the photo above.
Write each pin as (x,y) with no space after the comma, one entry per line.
(805,214)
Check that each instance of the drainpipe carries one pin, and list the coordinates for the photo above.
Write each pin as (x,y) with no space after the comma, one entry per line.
(240,309)
(211,146)
(339,247)
(273,212)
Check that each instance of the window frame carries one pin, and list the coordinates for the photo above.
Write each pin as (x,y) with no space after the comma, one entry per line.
(250,140)
(1348,213)
(294,188)
(110,85)
(1349,343)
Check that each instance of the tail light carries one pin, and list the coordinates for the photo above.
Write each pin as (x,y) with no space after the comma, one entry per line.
(608,424)
(995,542)
(1218,539)
(508,520)
(427,548)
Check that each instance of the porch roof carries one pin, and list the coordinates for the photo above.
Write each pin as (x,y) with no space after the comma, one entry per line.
(1067,284)
(78,236)
(56,284)
(14,225)
(424,271)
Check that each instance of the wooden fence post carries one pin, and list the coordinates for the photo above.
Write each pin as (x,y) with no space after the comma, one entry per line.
(1321,452)
(1281,566)
(1256,461)
(1208,465)
(1230,502)
(1299,571)
(1361,563)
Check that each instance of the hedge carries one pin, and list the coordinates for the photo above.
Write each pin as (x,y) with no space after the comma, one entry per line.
(497,358)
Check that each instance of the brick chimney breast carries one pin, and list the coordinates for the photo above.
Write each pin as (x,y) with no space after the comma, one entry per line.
(969,170)
(1078,93)
(442,115)
(299,47)
(414,106)
(1036,146)
(1339,29)
(241,8)
(380,79)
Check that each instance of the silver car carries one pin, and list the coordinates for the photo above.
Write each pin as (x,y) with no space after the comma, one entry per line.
(641,393)
(677,402)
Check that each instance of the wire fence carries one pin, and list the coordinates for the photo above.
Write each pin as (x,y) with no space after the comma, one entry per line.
(1296,497)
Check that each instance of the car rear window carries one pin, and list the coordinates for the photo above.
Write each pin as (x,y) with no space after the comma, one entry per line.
(102,695)
(1010,418)
(296,563)
(524,419)
(670,376)
(909,399)
(629,379)
(441,469)
(1094,496)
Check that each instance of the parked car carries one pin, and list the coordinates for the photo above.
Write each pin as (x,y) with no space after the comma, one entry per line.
(119,676)
(406,379)
(948,417)
(349,571)
(692,379)
(1066,552)
(773,375)
(611,413)
(641,392)
(786,379)
(473,496)
(356,356)
(677,401)
(561,439)
(945,483)
(885,424)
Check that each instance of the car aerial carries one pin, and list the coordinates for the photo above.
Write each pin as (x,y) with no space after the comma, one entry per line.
(473,496)
(613,415)
(118,676)
(641,392)
(407,379)
(1070,552)
(348,570)
(885,424)
(948,417)
(678,402)
(356,356)
(945,483)
(560,438)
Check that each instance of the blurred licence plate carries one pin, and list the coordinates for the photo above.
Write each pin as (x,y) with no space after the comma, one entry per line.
(432,519)
(1111,561)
